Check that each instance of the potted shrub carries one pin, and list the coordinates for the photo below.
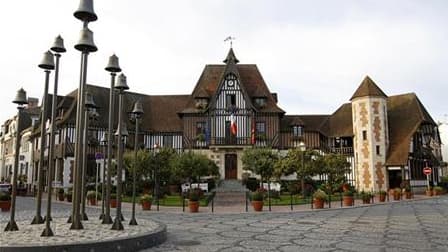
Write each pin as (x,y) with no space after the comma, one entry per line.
(397,193)
(193,200)
(68,195)
(348,198)
(61,194)
(5,201)
(407,191)
(382,195)
(92,196)
(429,192)
(437,190)
(366,197)
(146,200)
(319,198)
(257,201)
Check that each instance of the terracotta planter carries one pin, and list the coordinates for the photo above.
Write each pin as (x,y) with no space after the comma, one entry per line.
(146,205)
(194,206)
(92,202)
(397,196)
(429,193)
(348,200)
(366,201)
(318,203)
(408,195)
(258,206)
(382,197)
(113,203)
(69,198)
(61,196)
(5,205)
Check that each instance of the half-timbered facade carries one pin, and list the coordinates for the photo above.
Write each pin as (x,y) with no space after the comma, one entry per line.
(387,139)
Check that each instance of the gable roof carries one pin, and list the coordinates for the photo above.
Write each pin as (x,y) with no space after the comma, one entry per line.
(251,79)
(368,88)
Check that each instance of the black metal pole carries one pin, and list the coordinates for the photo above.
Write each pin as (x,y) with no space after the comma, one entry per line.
(51,155)
(133,221)
(38,217)
(12,225)
(117,225)
(107,217)
(291,200)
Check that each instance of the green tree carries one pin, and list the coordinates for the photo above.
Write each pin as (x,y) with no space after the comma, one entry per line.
(191,166)
(335,167)
(143,168)
(304,163)
(260,161)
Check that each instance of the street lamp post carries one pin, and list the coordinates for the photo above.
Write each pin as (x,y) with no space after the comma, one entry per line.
(113,67)
(138,112)
(103,185)
(58,48)
(47,64)
(86,14)
(20,100)
(157,186)
(121,86)
(302,148)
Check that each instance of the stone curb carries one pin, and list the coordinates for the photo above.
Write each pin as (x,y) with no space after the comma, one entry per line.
(131,243)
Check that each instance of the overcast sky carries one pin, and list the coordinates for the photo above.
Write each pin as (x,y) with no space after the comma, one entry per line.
(314,54)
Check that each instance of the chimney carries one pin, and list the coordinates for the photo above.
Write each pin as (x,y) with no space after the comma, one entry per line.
(33,102)
(274,95)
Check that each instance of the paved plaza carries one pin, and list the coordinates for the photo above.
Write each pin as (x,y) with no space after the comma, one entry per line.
(420,225)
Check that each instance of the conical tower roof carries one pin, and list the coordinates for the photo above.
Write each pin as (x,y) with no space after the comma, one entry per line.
(368,88)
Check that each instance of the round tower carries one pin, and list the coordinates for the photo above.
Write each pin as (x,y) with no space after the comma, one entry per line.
(371,139)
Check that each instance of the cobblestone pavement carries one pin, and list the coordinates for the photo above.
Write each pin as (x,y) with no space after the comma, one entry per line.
(420,225)
(405,226)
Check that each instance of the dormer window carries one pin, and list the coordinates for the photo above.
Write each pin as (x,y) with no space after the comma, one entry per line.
(297,130)
(260,102)
(201,102)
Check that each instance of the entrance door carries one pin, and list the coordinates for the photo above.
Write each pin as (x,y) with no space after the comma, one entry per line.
(394,178)
(231,166)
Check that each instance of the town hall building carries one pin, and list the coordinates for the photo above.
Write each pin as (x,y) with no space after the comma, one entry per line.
(387,139)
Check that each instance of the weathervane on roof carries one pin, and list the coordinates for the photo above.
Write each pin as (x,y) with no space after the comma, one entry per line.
(230,38)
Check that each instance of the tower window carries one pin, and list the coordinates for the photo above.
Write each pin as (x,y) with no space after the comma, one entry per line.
(378,150)
(230,100)
(364,135)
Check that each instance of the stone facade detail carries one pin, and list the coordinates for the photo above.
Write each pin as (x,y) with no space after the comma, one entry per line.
(367,177)
(379,175)
(377,128)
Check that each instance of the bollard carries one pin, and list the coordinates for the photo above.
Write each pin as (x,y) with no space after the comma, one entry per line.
(247,206)
(340,198)
(311,200)
(183,203)
(213,200)
(329,200)
(291,200)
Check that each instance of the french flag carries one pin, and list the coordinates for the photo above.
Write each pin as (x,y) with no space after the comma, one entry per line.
(233,128)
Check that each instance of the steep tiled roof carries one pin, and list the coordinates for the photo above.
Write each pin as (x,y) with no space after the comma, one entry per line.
(405,114)
(340,123)
(250,77)
(160,112)
(368,88)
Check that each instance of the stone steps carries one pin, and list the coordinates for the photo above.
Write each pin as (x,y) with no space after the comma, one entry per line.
(230,193)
